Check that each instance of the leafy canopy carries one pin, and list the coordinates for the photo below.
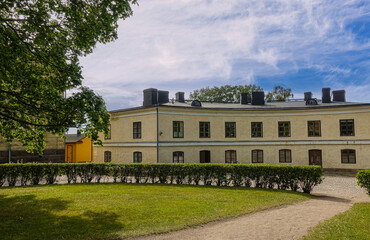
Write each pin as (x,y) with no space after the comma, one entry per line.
(40,45)
(226,93)
(230,94)
(279,94)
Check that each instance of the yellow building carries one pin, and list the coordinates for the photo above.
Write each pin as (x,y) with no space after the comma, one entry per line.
(78,148)
(16,152)
(333,134)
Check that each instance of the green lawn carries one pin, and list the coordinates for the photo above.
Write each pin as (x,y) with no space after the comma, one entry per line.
(353,224)
(101,211)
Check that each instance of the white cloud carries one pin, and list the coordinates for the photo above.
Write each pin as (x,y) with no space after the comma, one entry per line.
(200,43)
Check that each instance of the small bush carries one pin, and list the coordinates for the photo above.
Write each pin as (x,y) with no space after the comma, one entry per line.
(363,179)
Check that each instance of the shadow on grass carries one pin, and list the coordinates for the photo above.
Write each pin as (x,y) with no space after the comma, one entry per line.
(25,217)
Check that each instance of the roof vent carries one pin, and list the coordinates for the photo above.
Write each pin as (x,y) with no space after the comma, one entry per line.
(326,95)
(339,96)
(307,95)
(196,103)
(243,98)
(180,97)
(163,97)
(150,97)
(258,98)
(311,101)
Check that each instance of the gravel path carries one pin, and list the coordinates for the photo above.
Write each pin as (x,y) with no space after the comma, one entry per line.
(335,195)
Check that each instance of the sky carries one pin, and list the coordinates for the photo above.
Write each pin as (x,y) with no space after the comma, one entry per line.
(183,45)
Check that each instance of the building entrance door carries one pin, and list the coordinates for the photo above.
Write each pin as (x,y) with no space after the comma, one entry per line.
(315,157)
(205,156)
(69,153)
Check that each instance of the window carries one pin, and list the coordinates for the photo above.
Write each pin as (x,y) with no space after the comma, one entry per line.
(178,157)
(257,156)
(109,133)
(256,129)
(205,156)
(230,129)
(284,129)
(178,129)
(107,156)
(347,127)
(137,157)
(204,129)
(285,156)
(230,156)
(314,128)
(348,156)
(137,130)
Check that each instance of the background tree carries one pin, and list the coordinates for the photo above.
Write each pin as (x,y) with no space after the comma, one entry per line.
(40,45)
(225,93)
(279,94)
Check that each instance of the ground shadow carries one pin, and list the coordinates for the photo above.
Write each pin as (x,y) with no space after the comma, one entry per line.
(26,217)
(331,198)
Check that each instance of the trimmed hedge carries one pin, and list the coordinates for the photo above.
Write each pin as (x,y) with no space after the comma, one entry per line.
(284,177)
(363,179)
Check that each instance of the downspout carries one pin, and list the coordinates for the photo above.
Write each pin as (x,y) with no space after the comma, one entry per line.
(157,133)
(10,152)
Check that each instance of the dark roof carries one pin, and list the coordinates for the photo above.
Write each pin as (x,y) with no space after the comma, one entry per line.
(268,105)
(74,138)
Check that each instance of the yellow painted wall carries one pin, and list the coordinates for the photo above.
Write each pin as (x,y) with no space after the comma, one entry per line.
(270,118)
(82,152)
(331,154)
(122,145)
(125,154)
(122,126)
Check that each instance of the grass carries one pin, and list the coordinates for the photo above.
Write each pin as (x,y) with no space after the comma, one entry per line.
(352,224)
(110,211)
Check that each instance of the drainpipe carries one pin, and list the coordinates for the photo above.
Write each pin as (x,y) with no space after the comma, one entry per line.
(10,152)
(157,132)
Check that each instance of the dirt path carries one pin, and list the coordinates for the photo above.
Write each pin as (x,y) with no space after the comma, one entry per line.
(335,195)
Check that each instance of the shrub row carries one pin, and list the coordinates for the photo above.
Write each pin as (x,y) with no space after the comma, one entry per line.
(363,179)
(295,178)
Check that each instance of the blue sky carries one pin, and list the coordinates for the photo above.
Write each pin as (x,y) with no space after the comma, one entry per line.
(182,45)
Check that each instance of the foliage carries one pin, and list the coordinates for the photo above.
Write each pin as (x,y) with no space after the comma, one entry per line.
(279,94)
(40,45)
(363,179)
(225,93)
(262,175)
(121,211)
(352,224)
(231,94)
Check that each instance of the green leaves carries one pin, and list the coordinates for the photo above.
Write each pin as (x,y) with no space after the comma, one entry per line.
(231,94)
(40,45)
(279,94)
(363,179)
(260,175)
(225,93)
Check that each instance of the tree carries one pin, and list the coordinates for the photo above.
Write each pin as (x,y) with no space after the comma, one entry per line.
(279,94)
(40,45)
(225,93)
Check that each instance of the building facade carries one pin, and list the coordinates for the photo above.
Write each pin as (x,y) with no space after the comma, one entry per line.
(332,134)
(78,148)
(16,152)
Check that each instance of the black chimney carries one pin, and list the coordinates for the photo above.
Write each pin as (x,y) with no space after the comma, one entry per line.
(243,98)
(150,97)
(339,96)
(258,98)
(163,97)
(307,95)
(180,97)
(326,95)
